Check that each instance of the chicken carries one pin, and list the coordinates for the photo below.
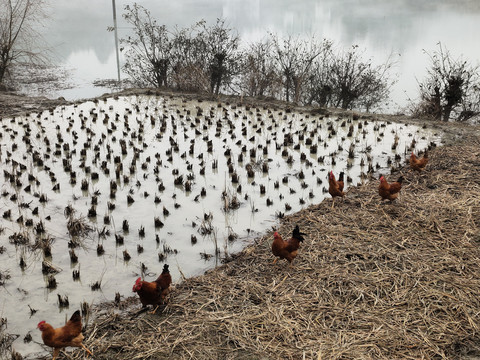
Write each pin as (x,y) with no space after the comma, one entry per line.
(389,191)
(154,293)
(287,249)
(68,335)
(418,164)
(335,188)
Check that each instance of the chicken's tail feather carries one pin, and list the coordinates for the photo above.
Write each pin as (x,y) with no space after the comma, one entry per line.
(76,317)
(297,234)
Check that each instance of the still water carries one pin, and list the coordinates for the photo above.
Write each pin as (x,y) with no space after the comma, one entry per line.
(77,30)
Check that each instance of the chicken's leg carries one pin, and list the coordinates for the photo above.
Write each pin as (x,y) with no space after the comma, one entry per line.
(333,202)
(154,310)
(56,351)
(85,348)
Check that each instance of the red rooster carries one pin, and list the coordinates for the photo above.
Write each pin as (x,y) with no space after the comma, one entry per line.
(154,293)
(287,249)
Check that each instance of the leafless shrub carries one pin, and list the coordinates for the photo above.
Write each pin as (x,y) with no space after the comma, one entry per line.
(149,50)
(294,58)
(345,79)
(200,58)
(259,76)
(451,89)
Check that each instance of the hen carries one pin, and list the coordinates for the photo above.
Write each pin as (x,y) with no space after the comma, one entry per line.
(389,191)
(335,187)
(287,249)
(418,164)
(68,335)
(155,292)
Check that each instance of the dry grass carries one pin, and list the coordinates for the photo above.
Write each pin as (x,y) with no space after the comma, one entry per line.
(6,339)
(372,281)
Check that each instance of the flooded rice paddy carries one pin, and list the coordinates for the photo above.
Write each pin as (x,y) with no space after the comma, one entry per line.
(96,194)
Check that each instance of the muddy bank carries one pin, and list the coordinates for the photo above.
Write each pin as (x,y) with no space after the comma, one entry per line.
(12,104)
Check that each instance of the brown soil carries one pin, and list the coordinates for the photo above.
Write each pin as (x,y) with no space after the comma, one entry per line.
(12,104)
(372,280)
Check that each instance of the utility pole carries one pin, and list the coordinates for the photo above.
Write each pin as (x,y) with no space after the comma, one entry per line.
(116,38)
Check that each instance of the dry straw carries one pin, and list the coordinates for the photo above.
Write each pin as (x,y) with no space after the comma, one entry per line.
(371,281)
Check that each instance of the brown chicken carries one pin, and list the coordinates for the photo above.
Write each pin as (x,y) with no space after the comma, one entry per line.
(418,164)
(287,249)
(335,187)
(68,335)
(389,191)
(154,293)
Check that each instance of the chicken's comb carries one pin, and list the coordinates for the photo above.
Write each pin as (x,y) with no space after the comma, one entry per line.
(275,233)
(137,285)
(41,323)
(382,178)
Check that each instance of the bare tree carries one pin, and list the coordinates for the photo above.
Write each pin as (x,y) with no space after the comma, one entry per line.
(19,39)
(198,58)
(149,51)
(189,66)
(259,75)
(221,55)
(344,79)
(356,81)
(450,89)
(206,57)
(319,84)
(294,58)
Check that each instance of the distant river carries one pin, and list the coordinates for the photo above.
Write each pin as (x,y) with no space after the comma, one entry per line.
(77,30)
